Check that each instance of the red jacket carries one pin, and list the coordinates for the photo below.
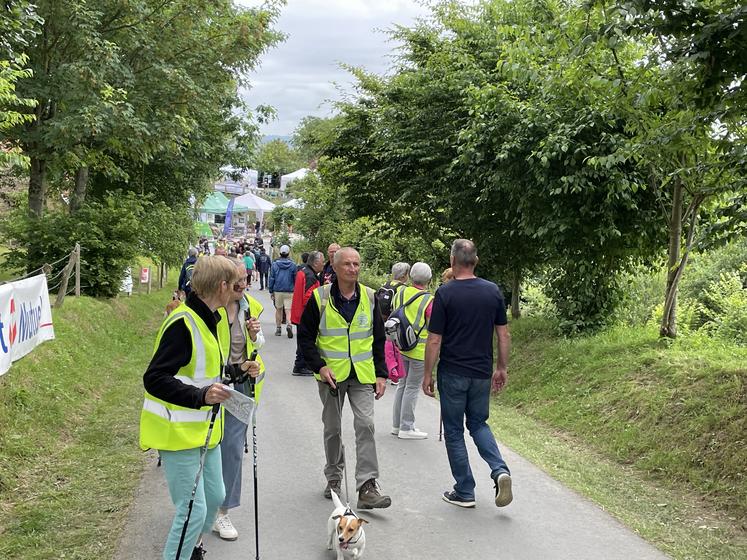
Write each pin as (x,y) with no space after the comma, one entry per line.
(306,283)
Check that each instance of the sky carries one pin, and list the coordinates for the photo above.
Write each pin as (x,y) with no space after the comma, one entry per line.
(298,76)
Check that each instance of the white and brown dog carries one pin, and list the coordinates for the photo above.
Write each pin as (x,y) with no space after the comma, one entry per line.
(345,531)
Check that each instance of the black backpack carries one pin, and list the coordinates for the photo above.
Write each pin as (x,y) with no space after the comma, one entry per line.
(398,328)
(385,297)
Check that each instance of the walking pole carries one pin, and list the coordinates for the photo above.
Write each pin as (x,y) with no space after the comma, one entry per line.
(203,452)
(252,385)
(440,426)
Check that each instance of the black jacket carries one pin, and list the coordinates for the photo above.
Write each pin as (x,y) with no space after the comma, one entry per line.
(308,329)
(175,352)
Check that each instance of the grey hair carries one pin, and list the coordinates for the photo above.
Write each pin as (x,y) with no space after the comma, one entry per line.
(421,274)
(315,256)
(341,251)
(192,252)
(400,270)
(464,253)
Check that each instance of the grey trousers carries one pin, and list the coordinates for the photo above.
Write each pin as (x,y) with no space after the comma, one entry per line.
(406,397)
(362,404)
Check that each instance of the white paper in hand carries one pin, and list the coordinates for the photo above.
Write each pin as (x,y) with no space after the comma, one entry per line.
(241,406)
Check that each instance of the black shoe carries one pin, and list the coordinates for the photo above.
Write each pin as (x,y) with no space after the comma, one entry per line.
(198,553)
(289,330)
(369,496)
(332,485)
(503,493)
(457,500)
(277,331)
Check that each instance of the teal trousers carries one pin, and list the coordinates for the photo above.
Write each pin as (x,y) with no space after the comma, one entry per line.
(180,469)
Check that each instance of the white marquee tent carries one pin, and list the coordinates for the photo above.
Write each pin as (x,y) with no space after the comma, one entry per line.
(255,203)
(286,180)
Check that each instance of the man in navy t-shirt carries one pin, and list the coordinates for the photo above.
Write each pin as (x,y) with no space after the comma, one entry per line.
(466,312)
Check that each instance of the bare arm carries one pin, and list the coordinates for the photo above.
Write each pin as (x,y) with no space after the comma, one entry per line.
(500,375)
(432,349)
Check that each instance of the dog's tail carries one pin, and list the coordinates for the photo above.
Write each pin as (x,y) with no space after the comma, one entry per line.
(336,501)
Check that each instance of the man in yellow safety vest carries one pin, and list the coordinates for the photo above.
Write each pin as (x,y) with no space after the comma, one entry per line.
(342,338)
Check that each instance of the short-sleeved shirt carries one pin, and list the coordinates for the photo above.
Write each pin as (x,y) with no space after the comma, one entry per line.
(249,262)
(465,313)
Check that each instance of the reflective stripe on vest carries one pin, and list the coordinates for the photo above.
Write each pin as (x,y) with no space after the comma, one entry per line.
(416,315)
(342,344)
(170,427)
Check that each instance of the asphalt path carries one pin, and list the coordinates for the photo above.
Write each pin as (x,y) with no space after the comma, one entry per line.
(545,521)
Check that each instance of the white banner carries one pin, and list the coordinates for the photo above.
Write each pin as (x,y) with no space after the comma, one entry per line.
(25,318)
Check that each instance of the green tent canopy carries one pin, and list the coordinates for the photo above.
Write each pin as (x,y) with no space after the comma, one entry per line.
(217,202)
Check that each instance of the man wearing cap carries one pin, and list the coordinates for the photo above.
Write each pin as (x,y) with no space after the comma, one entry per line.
(282,280)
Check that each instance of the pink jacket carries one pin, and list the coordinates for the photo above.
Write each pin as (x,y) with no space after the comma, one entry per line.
(394,364)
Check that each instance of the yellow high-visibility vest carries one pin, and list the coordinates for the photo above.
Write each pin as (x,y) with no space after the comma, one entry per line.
(415,313)
(342,344)
(255,310)
(170,427)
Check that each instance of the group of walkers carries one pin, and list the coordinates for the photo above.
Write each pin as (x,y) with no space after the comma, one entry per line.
(349,337)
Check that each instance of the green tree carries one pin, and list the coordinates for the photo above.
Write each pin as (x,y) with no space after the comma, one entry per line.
(313,136)
(276,158)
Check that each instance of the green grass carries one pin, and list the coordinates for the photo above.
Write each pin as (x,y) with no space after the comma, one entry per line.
(69,460)
(654,432)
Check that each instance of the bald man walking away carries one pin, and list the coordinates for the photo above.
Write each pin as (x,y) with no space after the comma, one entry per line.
(466,312)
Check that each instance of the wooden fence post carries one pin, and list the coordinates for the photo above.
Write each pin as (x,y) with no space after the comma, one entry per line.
(65,277)
(77,270)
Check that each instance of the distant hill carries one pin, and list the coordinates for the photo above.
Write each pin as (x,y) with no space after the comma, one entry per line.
(270,137)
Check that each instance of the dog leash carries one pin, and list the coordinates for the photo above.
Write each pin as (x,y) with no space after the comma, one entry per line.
(336,392)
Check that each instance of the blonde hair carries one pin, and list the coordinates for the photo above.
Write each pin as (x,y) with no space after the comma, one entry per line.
(447,275)
(210,271)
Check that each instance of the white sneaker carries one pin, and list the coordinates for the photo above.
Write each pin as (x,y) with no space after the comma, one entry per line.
(225,528)
(412,434)
(395,430)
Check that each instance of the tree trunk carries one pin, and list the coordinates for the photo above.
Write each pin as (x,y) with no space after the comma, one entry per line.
(515,293)
(37,186)
(669,317)
(79,193)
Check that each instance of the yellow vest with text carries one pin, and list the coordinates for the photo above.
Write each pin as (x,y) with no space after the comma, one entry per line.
(415,313)
(170,427)
(255,310)
(342,344)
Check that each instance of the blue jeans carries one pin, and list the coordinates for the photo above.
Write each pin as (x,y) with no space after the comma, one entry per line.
(467,397)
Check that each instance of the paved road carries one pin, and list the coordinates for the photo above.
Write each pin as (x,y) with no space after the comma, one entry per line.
(546,521)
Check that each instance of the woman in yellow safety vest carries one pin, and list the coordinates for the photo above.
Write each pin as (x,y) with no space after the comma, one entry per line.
(182,383)
(241,334)
(418,313)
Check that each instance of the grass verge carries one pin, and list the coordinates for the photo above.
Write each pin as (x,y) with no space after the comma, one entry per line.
(654,434)
(69,461)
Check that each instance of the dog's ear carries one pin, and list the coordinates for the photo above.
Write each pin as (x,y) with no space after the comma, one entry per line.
(362,520)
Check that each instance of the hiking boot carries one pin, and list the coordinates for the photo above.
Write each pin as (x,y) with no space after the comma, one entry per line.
(457,500)
(225,528)
(289,330)
(332,485)
(412,434)
(395,430)
(503,494)
(369,496)
(277,331)
(198,553)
